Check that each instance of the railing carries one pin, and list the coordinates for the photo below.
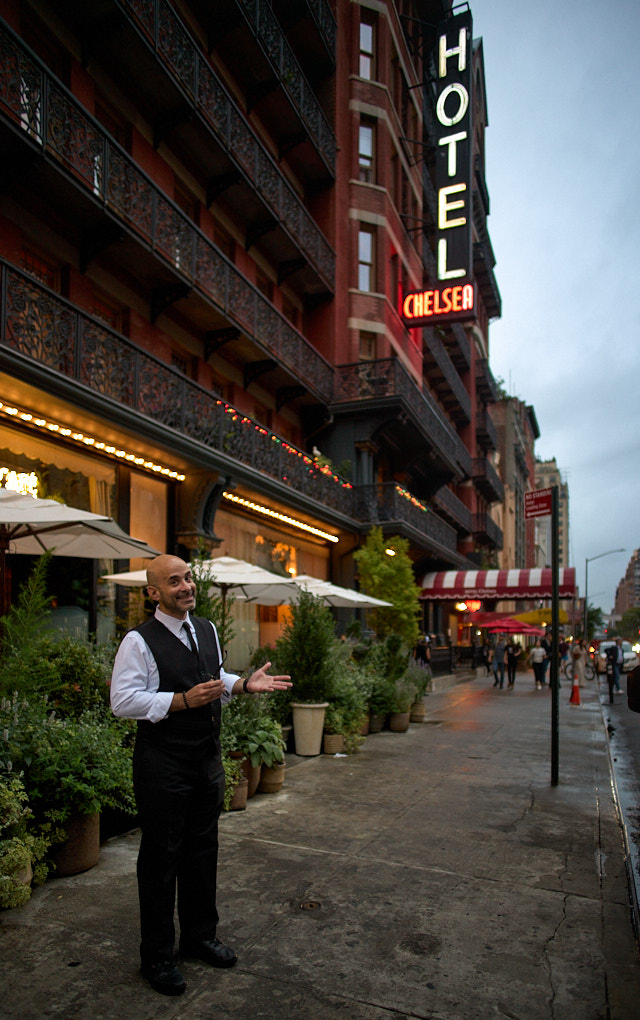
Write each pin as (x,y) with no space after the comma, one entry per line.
(164,31)
(444,363)
(268,34)
(484,524)
(41,326)
(485,474)
(486,431)
(52,118)
(389,503)
(368,380)
(485,383)
(325,22)
(460,353)
(448,503)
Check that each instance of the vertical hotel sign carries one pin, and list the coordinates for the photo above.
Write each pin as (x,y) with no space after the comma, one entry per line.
(452,297)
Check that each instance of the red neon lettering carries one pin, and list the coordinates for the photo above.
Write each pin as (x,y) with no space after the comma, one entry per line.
(467,296)
(446,297)
(418,302)
(428,302)
(456,293)
(407,309)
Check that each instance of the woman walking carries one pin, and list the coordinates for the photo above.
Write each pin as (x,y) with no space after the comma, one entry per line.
(538,656)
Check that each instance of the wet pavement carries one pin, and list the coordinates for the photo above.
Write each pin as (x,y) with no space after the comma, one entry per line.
(435,874)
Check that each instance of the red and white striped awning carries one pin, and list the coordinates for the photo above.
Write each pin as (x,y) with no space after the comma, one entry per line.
(497,584)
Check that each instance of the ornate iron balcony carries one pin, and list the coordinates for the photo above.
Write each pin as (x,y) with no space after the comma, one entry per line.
(369,380)
(51,117)
(486,529)
(436,348)
(50,333)
(487,481)
(389,503)
(166,33)
(453,508)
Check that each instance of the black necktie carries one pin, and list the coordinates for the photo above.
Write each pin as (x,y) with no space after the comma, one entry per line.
(192,642)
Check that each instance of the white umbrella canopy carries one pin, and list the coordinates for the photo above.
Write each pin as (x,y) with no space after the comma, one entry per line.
(31,526)
(244,580)
(337,596)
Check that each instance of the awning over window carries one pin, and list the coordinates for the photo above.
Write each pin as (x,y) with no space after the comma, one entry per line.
(497,584)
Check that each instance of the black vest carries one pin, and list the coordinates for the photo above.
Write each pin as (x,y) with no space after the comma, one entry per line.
(194,731)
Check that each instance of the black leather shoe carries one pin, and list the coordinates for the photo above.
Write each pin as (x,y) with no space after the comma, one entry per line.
(209,951)
(164,977)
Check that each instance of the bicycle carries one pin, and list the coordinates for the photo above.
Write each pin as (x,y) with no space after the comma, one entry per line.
(589,670)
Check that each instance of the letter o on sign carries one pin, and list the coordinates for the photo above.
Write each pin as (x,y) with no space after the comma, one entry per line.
(463,101)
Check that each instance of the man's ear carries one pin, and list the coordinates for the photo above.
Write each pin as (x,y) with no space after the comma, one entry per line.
(152,592)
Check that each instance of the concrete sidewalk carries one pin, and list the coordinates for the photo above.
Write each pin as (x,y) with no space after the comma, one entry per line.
(436,874)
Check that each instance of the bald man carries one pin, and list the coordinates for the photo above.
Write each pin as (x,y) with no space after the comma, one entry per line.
(168,676)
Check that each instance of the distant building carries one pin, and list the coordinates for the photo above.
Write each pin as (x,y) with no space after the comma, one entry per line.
(517,430)
(547,474)
(628,591)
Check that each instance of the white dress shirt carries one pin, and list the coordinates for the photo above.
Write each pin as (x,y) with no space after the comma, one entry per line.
(135,679)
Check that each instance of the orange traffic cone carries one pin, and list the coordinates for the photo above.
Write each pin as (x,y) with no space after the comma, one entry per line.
(575,693)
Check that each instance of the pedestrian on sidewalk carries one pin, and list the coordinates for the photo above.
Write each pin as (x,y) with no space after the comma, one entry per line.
(538,655)
(546,644)
(487,655)
(498,662)
(618,664)
(168,676)
(513,654)
(579,657)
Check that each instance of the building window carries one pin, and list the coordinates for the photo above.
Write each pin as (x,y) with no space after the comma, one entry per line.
(41,268)
(105,309)
(368,346)
(367,54)
(365,260)
(365,152)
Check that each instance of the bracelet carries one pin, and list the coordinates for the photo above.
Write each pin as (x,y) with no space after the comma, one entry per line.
(244,685)
(184,698)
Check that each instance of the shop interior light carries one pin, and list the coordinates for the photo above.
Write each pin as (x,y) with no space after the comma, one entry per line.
(79,437)
(268,512)
(461,606)
(390,551)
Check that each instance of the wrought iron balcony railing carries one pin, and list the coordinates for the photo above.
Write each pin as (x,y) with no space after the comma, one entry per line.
(486,434)
(52,334)
(160,25)
(487,480)
(389,503)
(369,380)
(486,529)
(52,119)
(434,344)
(448,503)
(325,23)
(268,34)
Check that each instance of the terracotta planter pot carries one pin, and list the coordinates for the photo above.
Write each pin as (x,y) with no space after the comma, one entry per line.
(81,849)
(418,711)
(252,775)
(333,743)
(308,723)
(271,779)
(399,722)
(239,799)
(364,729)
(376,723)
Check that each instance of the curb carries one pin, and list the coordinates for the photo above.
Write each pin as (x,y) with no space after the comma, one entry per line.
(629,852)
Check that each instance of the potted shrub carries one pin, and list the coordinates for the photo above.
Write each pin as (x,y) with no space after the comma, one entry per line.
(241,719)
(22,845)
(420,677)
(307,651)
(71,769)
(403,696)
(333,738)
(348,706)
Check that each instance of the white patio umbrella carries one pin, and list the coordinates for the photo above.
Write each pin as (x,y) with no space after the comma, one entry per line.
(244,580)
(337,596)
(31,526)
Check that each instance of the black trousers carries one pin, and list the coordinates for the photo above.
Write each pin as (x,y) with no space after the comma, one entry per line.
(179,799)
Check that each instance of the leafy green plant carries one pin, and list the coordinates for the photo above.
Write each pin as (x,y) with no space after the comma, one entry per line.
(307,650)
(232,775)
(390,578)
(403,695)
(278,704)
(67,765)
(23,624)
(23,845)
(266,746)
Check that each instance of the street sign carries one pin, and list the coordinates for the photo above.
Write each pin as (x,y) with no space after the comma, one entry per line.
(537,503)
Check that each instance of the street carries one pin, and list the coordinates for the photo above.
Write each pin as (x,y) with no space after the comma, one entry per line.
(624,743)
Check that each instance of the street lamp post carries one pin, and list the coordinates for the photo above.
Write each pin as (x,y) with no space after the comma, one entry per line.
(586,583)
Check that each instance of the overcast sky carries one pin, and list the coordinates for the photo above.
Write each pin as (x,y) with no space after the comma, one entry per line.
(563,173)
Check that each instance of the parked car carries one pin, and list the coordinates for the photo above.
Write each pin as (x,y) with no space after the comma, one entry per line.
(630,659)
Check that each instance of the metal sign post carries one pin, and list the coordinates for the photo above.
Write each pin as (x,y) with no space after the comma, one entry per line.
(555,622)
(541,503)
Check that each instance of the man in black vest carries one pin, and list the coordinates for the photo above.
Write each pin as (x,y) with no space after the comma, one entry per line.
(168,675)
